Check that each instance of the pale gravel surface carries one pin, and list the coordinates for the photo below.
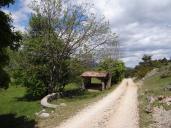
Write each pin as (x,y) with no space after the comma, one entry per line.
(161,117)
(117,110)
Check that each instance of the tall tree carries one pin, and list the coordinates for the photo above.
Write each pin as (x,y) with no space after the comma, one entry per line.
(8,39)
(59,31)
(74,24)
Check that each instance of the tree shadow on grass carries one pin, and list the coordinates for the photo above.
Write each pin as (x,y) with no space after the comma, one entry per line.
(28,98)
(73,93)
(79,94)
(13,121)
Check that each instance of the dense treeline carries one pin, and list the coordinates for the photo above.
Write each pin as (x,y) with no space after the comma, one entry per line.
(145,66)
(116,67)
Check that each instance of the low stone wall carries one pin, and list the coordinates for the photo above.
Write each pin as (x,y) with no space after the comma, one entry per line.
(45,101)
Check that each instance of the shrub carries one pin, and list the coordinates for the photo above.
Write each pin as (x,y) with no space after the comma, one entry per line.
(116,67)
(36,88)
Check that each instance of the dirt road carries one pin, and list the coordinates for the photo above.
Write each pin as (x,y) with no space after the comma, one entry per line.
(119,109)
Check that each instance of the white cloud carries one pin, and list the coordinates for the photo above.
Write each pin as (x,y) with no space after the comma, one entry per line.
(20,16)
(143,26)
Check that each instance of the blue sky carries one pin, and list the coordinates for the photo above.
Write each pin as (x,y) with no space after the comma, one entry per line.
(143,26)
(20,13)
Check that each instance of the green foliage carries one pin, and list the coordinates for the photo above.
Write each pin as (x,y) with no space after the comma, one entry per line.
(117,68)
(12,102)
(165,71)
(44,71)
(45,67)
(36,88)
(164,75)
(6,2)
(8,38)
(141,71)
(129,72)
(153,86)
(147,59)
(38,25)
(147,65)
(77,67)
(58,33)
(95,81)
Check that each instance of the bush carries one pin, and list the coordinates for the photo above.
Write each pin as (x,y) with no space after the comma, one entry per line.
(141,71)
(36,88)
(129,72)
(164,75)
(116,67)
(76,68)
(148,65)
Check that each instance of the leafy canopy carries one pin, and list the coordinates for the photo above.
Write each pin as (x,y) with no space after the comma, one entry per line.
(115,67)
(8,39)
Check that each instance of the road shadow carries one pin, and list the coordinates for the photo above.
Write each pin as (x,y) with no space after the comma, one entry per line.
(13,121)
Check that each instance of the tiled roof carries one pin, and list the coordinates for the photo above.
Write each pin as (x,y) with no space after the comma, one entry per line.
(94,74)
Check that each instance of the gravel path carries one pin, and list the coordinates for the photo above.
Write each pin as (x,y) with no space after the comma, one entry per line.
(117,110)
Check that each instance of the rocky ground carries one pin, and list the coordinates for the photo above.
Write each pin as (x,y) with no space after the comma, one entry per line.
(161,117)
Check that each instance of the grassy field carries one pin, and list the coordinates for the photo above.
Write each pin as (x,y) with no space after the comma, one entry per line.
(15,111)
(18,112)
(154,86)
(95,81)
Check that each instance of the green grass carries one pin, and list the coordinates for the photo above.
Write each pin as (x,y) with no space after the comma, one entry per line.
(75,102)
(154,86)
(71,86)
(18,112)
(15,110)
(157,85)
(95,81)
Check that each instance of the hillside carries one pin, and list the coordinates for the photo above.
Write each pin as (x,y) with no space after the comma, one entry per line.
(155,98)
